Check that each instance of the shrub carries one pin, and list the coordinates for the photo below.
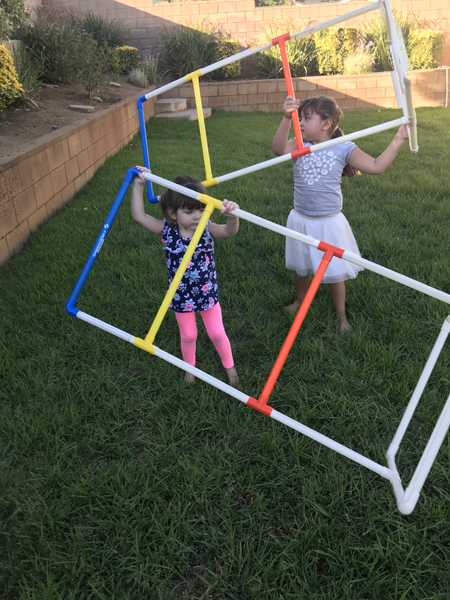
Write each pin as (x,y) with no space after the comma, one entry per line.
(128,58)
(103,30)
(29,71)
(13,15)
(333,44)
(300,51)
(425,48)
(224,49)
(187,49)
(374,30)
(359,62)
(60,46)
(138,77)
(99,63)
(10,88)
(149,64)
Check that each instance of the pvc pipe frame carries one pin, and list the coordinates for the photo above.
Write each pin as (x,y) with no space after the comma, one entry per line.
(401,83)
(406,499)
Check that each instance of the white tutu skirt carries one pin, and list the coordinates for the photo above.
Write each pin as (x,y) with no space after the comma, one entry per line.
(305,260)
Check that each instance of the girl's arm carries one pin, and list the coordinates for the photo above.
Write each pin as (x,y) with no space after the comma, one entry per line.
(137,206)
(281,144)
(232,225)
(374,166)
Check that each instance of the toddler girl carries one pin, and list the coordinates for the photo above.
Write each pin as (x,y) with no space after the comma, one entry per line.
(318,196)
(197,291)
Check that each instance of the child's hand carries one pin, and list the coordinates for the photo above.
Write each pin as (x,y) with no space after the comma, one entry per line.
(290,105)
(144,170)
(229,206)
(402,132)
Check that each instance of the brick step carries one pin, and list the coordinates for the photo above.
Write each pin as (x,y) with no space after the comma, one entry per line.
(190,114)
(166,105)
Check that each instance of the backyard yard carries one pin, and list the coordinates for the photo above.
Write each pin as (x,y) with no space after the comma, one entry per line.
(119,481)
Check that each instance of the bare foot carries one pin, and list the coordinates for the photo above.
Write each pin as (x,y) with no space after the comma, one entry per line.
(233,377)
(344,324)
(293,308)
(189,378)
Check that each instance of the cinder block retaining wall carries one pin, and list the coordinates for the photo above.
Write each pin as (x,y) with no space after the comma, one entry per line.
(37,183)
(360,91)
(145,20)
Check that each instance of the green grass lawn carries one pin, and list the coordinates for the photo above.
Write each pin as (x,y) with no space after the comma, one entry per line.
(118,481)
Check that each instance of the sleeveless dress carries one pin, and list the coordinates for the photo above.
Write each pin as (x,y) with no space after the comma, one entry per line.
(198,289)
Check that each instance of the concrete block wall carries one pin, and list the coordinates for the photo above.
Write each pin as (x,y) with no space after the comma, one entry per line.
(240,18)
(374,90)
(37,183)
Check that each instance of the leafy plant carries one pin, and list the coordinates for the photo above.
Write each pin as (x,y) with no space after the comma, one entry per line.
(138,77)
(59,45)
(99,62)
(333,44)
(10,88)
(187,48)
(29,72)
(360,62)
(13,15)
(148,62)
(300,51)
(374,30)
(128,58)
(425,48)
(102,29)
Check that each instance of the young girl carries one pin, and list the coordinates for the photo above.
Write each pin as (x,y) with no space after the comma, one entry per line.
(197,291)
(318,196)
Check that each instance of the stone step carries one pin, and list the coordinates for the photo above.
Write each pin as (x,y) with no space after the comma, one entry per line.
(166,105)
(190,114)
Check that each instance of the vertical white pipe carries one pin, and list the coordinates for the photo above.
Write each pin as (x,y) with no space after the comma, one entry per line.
(428,369)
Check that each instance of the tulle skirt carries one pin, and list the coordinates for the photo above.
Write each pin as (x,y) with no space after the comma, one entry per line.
(304,259)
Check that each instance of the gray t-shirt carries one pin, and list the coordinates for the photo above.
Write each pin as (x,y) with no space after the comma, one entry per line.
(317,180)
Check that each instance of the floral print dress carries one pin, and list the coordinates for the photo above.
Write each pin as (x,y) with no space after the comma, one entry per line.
(198,288)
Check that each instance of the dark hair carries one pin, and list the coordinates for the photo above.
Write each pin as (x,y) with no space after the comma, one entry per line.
(327,108)
(170,200)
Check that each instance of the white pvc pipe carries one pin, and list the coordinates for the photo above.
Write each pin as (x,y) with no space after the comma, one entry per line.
(428,369)
(171,185)
(412,492)
(165,88)
(235,57)
(412,283)
(231,391)
(340,19)
(105,326)
(315,148)
(322,439)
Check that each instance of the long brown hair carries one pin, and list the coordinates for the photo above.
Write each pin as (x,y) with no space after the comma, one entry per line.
(171,200)
(327,108)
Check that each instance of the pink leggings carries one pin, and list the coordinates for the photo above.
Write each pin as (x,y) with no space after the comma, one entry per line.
(212,318)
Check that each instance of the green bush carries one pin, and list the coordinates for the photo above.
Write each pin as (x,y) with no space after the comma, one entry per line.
(225,49)
(98,64)
(333,44)
(128,58)
(300,51)
(13,15)
(374,30)
(102,29)
(359,62)
(10,88)
(138,77)
(187,49)
(148,62)
(60,47)
(425,48)
(29,72)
